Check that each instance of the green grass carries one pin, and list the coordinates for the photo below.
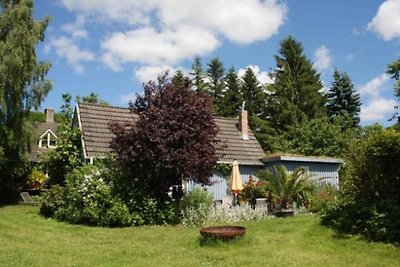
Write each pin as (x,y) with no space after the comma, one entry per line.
(27,239)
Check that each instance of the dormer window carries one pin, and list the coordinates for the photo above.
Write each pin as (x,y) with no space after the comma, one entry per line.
(48,139)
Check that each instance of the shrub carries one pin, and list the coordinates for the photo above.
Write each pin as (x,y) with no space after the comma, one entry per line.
(252,190)
(323,195)
(87,198)
(36,179)
(370,204)
(195,207)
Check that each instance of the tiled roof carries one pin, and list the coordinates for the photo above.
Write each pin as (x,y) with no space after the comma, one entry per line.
(94,120)
(40,128)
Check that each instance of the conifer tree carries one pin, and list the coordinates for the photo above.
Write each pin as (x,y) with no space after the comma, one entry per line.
(342,100)
(295,95)
(215,84)
(198,75)
(233,97)
(179,78)
(253,93)
(394,70)
(23,87)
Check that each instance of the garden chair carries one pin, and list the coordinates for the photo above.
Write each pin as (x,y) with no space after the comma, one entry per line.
(27,199)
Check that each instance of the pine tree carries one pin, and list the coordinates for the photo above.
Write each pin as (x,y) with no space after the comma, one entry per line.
(342,100)
(22,87)
(394,70)
(295,95)
(215,84)
(233,97)
(179,79)
(198,73)
(253,93)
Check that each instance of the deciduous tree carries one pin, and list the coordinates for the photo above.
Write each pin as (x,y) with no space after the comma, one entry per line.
(23,86)
(172,139)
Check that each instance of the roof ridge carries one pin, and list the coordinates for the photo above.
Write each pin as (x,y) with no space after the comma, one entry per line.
(102,106)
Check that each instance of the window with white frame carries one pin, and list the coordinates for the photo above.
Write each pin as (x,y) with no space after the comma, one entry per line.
(48,139)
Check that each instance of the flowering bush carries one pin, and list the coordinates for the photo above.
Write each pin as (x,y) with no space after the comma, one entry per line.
(252,190)
(203,216)
(87,198)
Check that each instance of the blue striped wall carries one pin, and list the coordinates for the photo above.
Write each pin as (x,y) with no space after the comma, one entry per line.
(220,189)
(320,171)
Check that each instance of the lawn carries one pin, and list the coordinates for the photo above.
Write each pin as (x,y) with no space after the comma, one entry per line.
(27,239)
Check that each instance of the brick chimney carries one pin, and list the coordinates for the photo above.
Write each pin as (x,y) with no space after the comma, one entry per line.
(49,112)
(243,124)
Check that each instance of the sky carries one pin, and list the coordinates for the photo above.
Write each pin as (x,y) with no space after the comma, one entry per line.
(112,47)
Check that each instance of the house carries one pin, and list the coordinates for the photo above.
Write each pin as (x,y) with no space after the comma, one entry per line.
(45,136)
(240,143)
(238,139)
(321,169)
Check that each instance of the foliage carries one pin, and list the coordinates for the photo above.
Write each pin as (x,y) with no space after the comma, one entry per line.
(370,204)
(87,198)
(194,217)
(315,137)
(342,100)
(216,83)
(172,139)
(36,179)
(195,207)
(295,95)
(23,87)
(252,190)
(322,197)
(394,70)
(93,98)
(66,156)
(253,93)
(287,188)
(232,98)
(198,73)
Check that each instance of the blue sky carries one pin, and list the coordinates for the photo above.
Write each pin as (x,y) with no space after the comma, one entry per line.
(111,47)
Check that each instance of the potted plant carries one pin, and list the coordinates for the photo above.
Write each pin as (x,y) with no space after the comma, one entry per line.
(286,188)
(36,179)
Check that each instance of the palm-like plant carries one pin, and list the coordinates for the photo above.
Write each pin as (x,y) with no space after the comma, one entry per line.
(285,187)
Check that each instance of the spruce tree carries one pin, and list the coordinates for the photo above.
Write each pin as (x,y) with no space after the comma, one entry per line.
(342,100)
(198,75)
(295,95)
(233,97)
(394,70)
(253,93)
(179,79)
(215,84)
(23,87)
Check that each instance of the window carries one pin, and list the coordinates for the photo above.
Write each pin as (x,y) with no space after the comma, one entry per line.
(48,139)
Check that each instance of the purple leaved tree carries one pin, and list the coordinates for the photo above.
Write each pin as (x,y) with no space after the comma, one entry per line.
(172,139)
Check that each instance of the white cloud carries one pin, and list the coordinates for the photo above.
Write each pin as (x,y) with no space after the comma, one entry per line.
(126,11)
(375,106)
(262,76)
(241,21)
(147,46)
(374,87)
(377,109)
(76,29)
(125,99)
(386,23)
(150,73)
(323,58)
(169,31)
(66,48)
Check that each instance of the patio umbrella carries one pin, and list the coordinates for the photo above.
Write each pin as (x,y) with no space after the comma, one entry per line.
(236,180)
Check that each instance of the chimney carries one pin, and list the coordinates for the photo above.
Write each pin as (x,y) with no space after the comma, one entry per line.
(243,125)
(49,112)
